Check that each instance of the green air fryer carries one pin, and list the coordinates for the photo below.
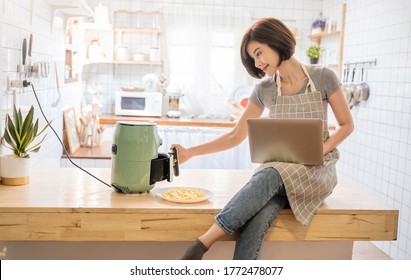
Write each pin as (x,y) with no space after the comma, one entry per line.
(135,162)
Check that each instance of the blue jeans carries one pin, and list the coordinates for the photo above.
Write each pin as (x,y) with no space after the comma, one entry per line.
(252,210)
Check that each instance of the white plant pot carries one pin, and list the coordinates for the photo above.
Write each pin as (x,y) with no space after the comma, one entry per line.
(14,171)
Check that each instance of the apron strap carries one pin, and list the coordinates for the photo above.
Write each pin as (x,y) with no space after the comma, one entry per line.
(278,81)
(310,82)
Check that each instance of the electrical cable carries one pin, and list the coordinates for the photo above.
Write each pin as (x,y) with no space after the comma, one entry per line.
(61,142)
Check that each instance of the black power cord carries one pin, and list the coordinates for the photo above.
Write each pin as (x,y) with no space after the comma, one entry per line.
(25,84)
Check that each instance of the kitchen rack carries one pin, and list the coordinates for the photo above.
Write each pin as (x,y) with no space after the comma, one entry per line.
(363,63)
(319,36)
(125,26)
(72,52)
(135,24)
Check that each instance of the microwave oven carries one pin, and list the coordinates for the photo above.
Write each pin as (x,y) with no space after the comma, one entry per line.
(141,104)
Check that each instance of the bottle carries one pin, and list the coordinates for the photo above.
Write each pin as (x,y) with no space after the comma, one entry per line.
(101,14)
(94,51)
(154,54)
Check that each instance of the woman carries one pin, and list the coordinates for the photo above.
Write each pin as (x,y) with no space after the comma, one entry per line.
(291,90)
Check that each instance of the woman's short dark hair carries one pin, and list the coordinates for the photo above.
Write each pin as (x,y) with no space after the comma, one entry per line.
(272,32)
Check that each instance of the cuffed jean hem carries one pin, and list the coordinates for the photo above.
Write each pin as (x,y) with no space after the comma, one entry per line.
(221,224)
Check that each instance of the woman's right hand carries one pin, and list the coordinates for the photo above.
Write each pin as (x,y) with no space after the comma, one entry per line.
(182,153)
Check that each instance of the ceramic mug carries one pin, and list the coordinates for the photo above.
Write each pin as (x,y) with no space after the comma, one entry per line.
(139,57)
(122,53)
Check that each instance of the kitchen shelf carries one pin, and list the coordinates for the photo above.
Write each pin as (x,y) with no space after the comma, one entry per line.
(89,62)
(91,26)
(138,30)
(124,62)
(319,36)
(138,62)
(71,65)
(137,12)
(109,28)
(130,26)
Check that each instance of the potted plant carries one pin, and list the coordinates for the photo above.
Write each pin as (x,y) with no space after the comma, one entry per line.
(313,53)
(19,136)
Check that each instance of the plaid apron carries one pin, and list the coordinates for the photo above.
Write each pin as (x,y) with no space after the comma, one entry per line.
(306,186)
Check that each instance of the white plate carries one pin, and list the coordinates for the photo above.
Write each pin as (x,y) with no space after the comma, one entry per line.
(160,192)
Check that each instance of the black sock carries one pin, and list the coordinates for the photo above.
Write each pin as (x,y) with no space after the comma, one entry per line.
(195,251)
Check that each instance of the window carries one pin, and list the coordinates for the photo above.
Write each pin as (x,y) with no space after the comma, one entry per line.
(205,70)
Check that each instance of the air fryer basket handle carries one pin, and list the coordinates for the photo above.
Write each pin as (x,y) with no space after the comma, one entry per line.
(176,169)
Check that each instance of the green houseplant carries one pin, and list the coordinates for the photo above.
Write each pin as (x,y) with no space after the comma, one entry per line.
(19,136)
(313,53)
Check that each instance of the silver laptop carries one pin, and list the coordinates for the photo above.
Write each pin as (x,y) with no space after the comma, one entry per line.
(286,140)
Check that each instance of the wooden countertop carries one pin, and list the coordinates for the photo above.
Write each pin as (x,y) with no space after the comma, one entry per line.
(67,204)
(113,119)
(103,151)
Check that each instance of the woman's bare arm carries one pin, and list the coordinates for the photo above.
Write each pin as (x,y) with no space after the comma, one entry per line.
(344,120)
(224,142)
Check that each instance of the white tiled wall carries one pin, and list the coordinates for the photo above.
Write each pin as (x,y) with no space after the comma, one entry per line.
(377,156)
(18,21)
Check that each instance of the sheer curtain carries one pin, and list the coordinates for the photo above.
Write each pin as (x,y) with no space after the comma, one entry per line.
(203,51)
(236,158)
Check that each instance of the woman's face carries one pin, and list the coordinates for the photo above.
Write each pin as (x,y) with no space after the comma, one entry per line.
(265,58)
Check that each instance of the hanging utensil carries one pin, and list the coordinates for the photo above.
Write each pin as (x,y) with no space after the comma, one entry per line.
(361,90)
(346,89)
(21,68)
(24,52)
(345,74)
(30,45)
(364,89)
(357,88)
(352,101)
(55,102)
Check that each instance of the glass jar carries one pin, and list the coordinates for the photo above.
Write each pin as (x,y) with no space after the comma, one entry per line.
(174,106)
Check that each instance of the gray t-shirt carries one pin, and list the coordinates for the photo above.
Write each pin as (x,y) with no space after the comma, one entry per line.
(324,79)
